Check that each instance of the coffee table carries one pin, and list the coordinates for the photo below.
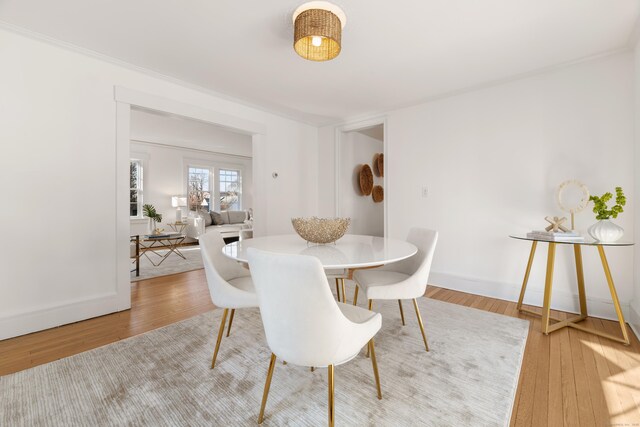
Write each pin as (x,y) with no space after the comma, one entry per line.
(169,241)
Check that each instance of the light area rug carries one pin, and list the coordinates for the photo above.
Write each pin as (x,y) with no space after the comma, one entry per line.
(162,378)
(172,265)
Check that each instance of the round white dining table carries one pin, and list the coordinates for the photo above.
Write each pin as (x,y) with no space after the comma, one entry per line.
(349,252)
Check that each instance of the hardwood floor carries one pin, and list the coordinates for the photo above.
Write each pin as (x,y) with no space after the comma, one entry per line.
(154,303)
(569,378)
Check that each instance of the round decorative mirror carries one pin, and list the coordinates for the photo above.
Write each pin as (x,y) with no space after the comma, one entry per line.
(572,196)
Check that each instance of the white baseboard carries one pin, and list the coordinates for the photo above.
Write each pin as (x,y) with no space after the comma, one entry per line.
(561,300)
(17,324)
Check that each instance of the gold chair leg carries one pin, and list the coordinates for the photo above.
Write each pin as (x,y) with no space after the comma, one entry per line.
(526,274)
(614,294)
(401,311)
(267,384)
(220,332)
(344,292)
(424,336)
(331,414)
(233,311)
(355,295)
(337,289)
(375,367)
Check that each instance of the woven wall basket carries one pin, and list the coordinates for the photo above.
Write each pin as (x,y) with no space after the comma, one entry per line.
(366,180)
(377,194)
(379,164)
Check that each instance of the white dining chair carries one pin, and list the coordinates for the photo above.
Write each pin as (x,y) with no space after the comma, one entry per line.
(303,324)
(230,284)
(406,279)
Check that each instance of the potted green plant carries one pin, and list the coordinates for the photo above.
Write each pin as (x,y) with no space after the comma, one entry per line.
(604,230)
(154,217)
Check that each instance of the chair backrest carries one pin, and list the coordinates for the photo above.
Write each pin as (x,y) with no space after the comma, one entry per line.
(301,319)
(419,265)
(219,269)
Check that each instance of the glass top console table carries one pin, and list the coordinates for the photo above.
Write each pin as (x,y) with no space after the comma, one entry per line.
(546,304)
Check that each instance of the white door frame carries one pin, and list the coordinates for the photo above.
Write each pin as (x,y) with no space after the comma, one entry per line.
(126,98)
(339,135)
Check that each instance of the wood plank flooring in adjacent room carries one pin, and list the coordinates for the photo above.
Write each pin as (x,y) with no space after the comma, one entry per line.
(569,378)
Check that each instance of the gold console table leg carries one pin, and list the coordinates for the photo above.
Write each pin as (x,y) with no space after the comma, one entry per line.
(614,295)
(580,275)
(526,274)
(572,322)
(548,284)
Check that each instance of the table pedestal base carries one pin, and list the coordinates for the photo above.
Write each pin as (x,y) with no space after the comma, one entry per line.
(573,321)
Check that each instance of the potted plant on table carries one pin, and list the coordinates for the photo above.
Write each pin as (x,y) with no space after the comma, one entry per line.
(604,230)
(154,217)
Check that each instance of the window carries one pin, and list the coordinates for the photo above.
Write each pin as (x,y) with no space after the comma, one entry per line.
(199,188)
(230,190)
(135,188)
(212,188)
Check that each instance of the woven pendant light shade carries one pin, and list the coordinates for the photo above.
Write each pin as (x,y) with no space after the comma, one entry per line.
(318,31)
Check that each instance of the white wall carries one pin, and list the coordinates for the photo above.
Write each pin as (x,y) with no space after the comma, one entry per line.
(634,317)
(366,216)
(165,176)
(177,131)
(326,172)
(492,159)
(58,129)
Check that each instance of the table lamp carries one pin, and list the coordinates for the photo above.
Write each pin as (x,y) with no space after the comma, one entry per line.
(178,202)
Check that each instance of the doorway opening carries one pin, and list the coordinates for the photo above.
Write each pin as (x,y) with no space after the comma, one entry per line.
(128,100)
(189,171)
(361,147)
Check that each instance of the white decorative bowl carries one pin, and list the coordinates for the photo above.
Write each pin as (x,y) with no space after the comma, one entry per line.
(321,230)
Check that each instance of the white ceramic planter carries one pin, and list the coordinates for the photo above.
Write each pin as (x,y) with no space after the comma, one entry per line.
(152,226)
(605,231)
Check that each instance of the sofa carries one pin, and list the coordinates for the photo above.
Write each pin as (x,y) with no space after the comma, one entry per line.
(228,223)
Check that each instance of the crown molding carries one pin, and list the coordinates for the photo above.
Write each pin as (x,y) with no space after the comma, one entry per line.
(283,112)
(311,119)
(481,86)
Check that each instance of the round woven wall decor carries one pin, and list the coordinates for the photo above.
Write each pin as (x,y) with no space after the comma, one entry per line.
(377,194)
(366,180)
(379,164)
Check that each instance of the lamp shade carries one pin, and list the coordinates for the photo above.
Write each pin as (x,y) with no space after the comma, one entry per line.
(317,32)
(178,201)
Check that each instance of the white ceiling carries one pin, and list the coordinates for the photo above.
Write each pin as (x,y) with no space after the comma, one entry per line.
(394,53)
(375,132)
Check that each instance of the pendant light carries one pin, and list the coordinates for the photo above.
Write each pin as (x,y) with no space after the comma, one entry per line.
(318,30)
